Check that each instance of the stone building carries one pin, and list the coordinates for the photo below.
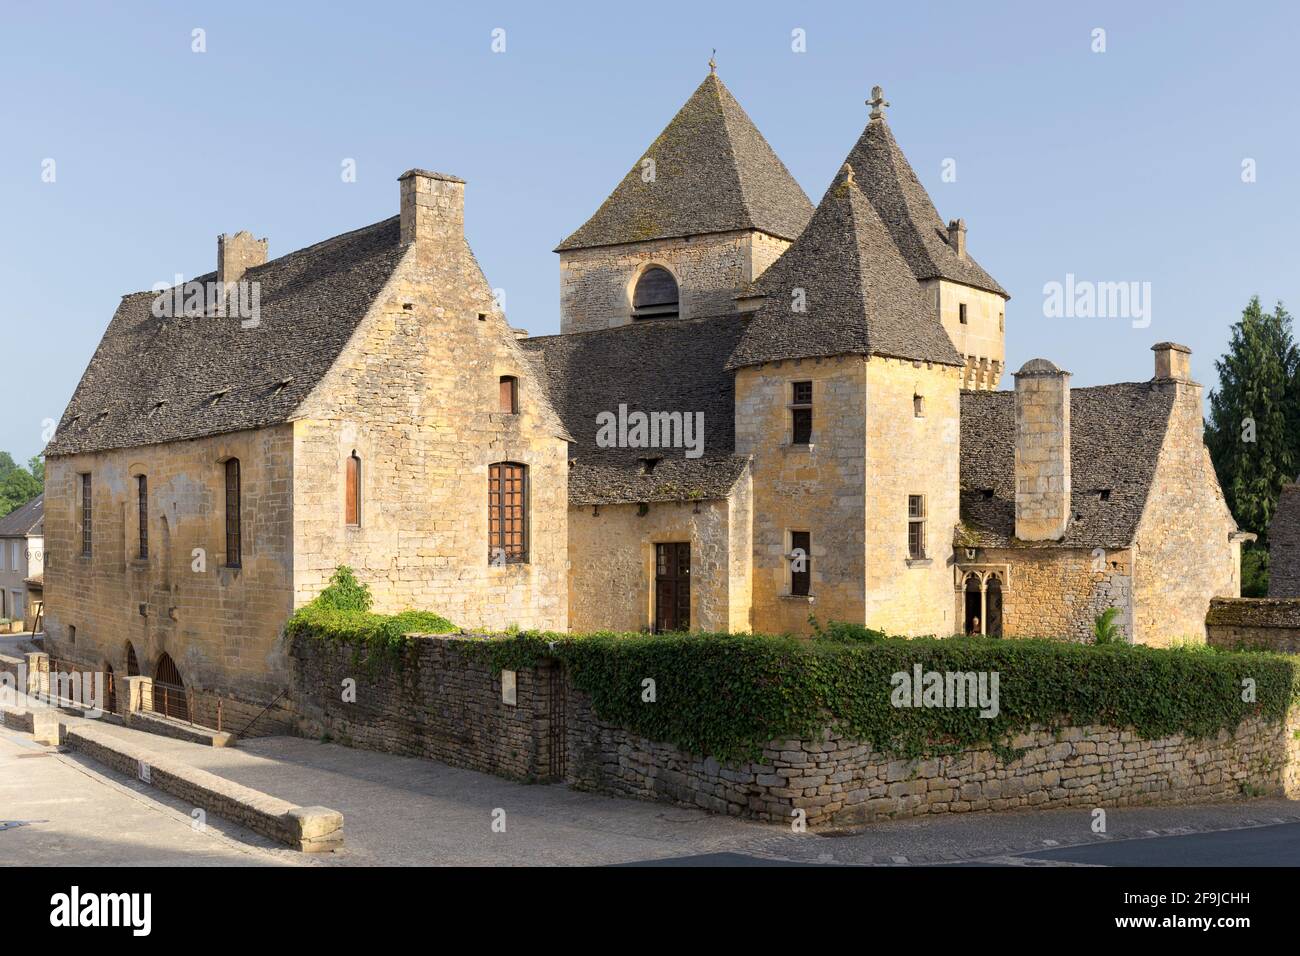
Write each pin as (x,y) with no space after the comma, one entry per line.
(1284,545)
(22,559)
(212,469)
(755,412)
(859,462)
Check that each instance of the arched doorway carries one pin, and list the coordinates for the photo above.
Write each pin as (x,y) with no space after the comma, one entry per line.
(169,697)
(132,664)
(993,606)
(110,690)
(971,616)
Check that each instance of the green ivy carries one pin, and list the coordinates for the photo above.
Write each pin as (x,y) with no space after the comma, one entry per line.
(727,695)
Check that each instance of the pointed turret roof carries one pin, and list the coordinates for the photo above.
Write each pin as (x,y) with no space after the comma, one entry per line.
(713,172)
(858,294)
(886,177)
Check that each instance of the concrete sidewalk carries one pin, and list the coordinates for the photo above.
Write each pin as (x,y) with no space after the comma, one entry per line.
(403,811)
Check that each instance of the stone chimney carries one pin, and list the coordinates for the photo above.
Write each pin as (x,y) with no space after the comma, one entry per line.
(433,206)
(1173,361)
(237,254)
(957,237)
(1042,451)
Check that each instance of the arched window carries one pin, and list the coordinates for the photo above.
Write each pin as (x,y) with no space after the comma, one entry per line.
(169,697)
(132,665)
(655,296)
(352,502)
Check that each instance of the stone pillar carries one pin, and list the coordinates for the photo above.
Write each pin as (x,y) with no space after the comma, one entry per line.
(984,608)
(138,696)
(38,669)
(1042,461)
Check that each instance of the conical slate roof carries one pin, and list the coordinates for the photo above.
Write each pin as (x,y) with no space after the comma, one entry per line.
(886,177)
(713,172)
(859,296)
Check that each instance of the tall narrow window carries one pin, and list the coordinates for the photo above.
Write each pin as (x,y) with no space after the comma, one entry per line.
(509,394)
(800,562)
(233,538)
(85,515)
(916,526)
(961,313)
(801,413)
(352,503)
(142,501)
(507,513)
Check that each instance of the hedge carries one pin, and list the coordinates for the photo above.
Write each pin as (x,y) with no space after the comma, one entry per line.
(727,695)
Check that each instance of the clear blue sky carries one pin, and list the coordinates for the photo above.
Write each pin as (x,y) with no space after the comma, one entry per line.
(1115,166)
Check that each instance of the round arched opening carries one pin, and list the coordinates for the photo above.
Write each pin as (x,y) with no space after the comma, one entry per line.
(169,697)
(655,296)
(132,663)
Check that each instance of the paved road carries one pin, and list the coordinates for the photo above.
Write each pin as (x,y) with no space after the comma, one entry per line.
(406,811)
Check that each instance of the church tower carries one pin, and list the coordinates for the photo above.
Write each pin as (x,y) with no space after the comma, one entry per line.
(700,215)
(968,301)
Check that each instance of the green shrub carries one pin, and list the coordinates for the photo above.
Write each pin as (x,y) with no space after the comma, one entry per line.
(345,592)
(726,695)
(341,614)
(843,632)
(1104,628)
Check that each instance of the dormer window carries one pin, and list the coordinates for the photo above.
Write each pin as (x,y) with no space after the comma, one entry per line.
(655,296)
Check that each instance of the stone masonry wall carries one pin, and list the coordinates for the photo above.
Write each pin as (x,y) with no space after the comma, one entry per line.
(440,704)
(596,285)
(1185,555)
(1284,545)
(1256,624)
(612,564)
(448,706)
(416,396)
(1058,592)
(220,625)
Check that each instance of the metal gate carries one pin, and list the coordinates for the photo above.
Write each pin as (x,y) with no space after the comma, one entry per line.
(169,697)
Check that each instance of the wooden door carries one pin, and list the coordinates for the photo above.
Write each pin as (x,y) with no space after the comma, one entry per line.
(672,587)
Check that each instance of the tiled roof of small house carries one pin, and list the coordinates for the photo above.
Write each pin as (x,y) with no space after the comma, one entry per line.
(1284,545)
(857,294)
(166,379)
(24,520)
(650,366)
(1116,432)
(713,172)
(885,175)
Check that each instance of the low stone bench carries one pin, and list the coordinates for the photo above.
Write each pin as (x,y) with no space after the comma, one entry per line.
(43,725)
(310,829)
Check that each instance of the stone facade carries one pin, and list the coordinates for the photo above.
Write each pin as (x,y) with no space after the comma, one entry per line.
(1187,550)
(415,396)
(612,562)
(859,562)
(981,339)
(596,284)
(1053,593)
(219,624)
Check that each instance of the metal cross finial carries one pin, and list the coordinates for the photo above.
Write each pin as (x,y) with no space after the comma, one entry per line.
(877,102)
(713,65)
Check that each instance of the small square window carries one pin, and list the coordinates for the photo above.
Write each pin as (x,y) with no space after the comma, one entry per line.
(802,393)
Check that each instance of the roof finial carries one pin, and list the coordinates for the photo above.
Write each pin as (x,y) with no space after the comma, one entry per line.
(847,172)
(713,65)
(877,103)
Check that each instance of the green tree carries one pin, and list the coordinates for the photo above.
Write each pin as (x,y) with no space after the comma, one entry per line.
(1253,431)
(18,486)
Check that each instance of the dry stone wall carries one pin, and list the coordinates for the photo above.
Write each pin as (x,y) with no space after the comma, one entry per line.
(447,704)
(1254,624)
